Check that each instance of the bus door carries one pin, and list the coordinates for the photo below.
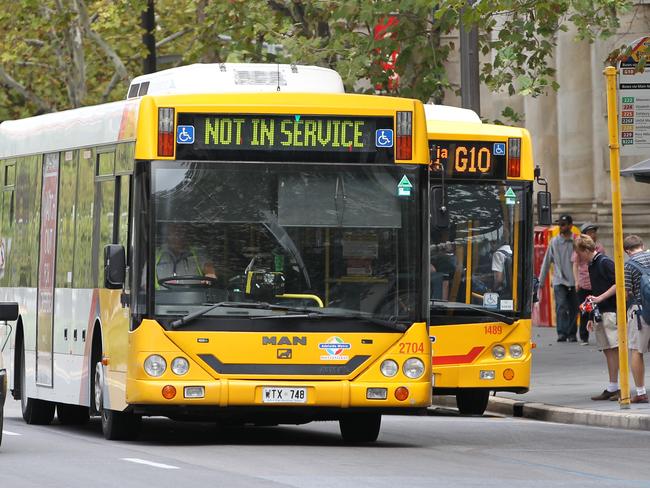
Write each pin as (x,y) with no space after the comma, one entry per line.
(47,255)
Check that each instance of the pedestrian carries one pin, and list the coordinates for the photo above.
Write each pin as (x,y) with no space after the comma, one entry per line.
(559,253)
(581,277)
(602,320)
(638,329)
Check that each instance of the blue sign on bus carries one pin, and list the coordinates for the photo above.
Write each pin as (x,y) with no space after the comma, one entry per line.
(185,134)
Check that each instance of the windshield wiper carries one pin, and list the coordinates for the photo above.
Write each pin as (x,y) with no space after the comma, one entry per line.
(464,306)
(191,316)
(309,313)
(302,312)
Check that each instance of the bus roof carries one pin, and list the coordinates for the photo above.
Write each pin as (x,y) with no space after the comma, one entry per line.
(237,78)
(117,121)
(81,127)
(450,114)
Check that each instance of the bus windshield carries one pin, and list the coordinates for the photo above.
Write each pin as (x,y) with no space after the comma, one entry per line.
(477,262)
(311,236)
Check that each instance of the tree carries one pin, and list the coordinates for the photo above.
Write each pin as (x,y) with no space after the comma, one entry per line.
(59,54)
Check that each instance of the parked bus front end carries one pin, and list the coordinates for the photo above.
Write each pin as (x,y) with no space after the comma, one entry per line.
(481,260)
(274,272)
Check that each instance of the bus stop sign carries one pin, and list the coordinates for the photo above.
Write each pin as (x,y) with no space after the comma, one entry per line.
(634,101)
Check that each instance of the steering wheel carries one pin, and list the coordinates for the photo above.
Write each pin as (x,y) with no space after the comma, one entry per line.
(198,281)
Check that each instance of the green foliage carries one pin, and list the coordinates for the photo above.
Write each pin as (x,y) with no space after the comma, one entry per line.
(51,60)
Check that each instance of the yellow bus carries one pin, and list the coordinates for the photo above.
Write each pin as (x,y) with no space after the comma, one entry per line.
(249,256)
(481,242)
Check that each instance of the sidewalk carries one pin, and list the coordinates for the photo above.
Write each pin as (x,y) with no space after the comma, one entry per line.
(564,377)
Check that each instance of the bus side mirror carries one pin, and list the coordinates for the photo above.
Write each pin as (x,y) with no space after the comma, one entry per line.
(8,311)
(544,216)
(114,266)
(438,209)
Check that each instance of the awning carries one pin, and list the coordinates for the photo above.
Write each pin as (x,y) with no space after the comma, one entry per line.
(640,171)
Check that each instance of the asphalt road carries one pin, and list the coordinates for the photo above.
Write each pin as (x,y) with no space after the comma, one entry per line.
(437,450)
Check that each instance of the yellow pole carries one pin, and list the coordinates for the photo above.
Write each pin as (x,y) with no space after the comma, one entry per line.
(617,221)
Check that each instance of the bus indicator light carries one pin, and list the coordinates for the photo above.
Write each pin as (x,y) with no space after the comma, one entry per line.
(168,392)
(404,135)
(514,157)
(508,374)
(166,132)
(401,393)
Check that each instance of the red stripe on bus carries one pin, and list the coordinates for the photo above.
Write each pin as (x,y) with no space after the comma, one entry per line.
(458,359)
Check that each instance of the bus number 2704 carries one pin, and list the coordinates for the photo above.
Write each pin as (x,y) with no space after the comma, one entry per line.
(411,347)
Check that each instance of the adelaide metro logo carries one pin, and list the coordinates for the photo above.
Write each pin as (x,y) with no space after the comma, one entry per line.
(334,346)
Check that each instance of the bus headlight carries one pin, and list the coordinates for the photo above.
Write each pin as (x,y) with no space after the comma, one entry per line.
(499,352)
(516,351)
(180,366)
(413,368)
(389,368)
(155,365)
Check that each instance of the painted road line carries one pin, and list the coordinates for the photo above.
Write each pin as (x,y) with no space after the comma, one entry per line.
(150,463)
(6,432)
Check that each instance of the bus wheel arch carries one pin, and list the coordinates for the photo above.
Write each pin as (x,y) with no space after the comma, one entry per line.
(115,425)
(35,411)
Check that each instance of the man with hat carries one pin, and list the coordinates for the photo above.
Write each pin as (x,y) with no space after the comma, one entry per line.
(581,277)
(559,253)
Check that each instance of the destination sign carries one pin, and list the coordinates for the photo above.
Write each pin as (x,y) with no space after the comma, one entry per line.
(468,159)
(306,136)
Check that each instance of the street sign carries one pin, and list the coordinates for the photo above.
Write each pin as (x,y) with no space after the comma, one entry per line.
(634,101)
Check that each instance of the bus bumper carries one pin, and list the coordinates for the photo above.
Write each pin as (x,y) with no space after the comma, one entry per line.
(491,375)
(249,393)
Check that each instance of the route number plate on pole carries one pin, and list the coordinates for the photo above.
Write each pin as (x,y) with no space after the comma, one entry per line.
(634,101)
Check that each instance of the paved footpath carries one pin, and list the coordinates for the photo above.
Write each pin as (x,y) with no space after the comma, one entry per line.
(564,378)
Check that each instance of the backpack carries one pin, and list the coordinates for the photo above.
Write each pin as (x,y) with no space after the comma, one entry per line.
(644,289)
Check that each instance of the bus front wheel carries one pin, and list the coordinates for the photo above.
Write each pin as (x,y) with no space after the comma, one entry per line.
(115,425)
(358,428)
(35,411)
(472,401)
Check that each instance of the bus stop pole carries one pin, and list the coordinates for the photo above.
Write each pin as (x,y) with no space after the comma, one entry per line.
(617,221)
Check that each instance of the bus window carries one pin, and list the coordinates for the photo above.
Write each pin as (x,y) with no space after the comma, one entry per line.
(477,260)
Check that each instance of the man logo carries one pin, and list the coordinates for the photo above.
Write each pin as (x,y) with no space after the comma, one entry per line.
(284,353)
(284,341)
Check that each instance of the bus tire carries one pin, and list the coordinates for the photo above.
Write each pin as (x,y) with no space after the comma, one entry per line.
(360,428)
(72,414)
(35,411)
(2,416)
(115,425)
(472,401)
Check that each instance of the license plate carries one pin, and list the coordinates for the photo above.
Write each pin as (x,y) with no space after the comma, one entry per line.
(279,394)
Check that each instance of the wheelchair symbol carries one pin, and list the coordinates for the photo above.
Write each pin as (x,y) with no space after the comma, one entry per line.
(384,138)
(185,134)
(499,149)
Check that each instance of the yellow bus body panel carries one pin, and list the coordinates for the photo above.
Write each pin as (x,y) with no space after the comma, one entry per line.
(279,104)
(460,352)
(244,348)
(468,131)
